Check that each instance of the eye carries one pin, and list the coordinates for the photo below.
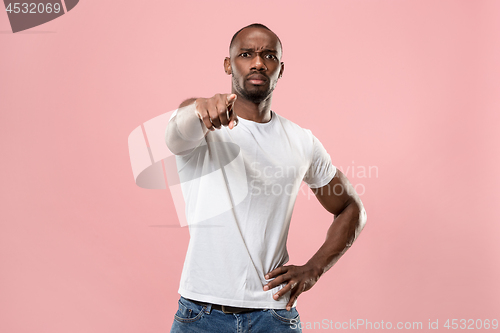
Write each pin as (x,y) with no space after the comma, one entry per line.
(245,55)
(271,56)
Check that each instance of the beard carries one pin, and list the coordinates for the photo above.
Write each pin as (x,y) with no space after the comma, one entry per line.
(257,95)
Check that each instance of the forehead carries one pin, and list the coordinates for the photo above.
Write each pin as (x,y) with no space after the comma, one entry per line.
(256,39)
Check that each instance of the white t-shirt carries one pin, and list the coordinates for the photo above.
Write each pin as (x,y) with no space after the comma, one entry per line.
(240,186)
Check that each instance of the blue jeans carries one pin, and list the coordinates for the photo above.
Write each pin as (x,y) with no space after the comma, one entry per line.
(191,317)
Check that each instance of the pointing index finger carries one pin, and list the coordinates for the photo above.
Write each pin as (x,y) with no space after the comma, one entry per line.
(231,98)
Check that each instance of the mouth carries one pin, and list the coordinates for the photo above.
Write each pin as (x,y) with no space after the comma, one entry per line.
(257,79)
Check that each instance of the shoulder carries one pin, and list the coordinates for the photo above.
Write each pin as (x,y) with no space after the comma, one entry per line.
(297,130)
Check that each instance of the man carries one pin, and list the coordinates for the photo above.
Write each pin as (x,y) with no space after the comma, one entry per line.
(241,165)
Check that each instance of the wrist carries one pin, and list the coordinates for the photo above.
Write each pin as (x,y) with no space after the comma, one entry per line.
(187,102)
(316,267)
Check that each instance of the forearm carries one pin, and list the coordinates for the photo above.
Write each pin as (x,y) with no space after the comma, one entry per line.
(344,230)
(185,130)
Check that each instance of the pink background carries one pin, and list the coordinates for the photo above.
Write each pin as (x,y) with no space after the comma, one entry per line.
(411,88)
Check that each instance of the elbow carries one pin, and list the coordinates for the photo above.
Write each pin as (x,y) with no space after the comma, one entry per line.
(167,138)
(358,215)
(362,217)
(170,138)
(176,146)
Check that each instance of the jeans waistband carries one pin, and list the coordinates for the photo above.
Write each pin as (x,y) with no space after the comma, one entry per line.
(225,308)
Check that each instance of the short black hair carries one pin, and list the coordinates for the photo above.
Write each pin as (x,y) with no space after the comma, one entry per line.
(253,25)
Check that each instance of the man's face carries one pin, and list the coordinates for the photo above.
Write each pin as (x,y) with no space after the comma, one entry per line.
(255,64)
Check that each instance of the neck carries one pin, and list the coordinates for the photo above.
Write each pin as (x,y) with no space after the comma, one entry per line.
(260,113)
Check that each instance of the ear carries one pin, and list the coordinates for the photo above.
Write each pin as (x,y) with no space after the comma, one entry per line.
(281,70)
(227,66)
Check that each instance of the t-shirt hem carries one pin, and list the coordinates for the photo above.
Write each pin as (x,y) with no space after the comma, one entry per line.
(232,302)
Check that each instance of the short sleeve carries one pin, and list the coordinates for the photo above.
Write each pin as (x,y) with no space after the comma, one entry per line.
(321,170)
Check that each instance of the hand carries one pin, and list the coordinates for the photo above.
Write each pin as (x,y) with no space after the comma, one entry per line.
(299,278)
(217,111)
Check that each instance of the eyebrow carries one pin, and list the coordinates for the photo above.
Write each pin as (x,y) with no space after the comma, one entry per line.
(253,50)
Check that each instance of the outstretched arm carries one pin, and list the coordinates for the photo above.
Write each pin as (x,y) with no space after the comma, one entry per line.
(339,198)
(195,117)
(185,130)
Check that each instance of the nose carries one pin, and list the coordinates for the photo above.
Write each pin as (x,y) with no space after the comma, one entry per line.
(258,63)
